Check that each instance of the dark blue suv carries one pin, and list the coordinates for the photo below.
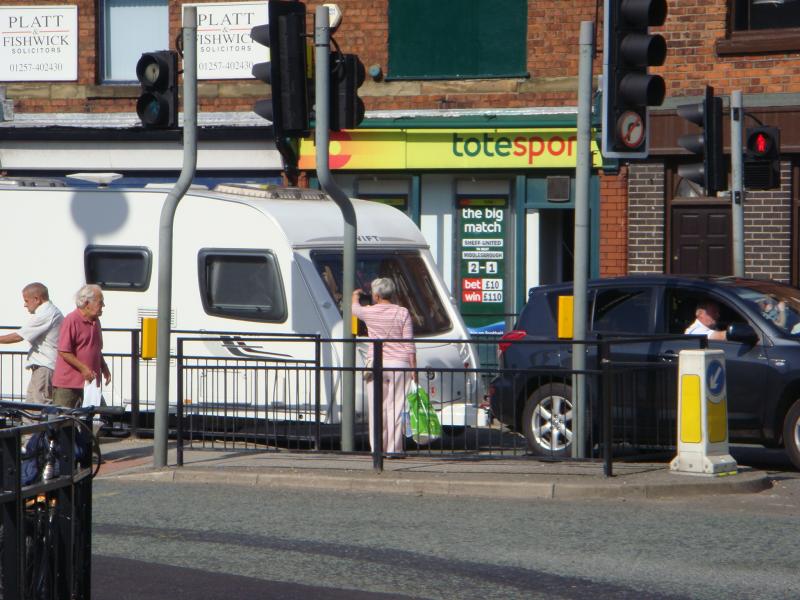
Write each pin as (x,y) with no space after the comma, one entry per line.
(762,352)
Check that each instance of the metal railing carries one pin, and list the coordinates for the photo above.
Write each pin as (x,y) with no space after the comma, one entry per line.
(283,390)
(258,403)
(45,503)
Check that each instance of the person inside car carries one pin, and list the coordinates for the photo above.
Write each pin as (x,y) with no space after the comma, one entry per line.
(773,310)
(706,317)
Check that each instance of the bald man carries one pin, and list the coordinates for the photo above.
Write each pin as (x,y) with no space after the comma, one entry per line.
(706,316)
(41,332)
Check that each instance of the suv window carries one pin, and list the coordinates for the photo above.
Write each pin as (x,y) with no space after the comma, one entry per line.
(681,306)
(536,324)
(622,311)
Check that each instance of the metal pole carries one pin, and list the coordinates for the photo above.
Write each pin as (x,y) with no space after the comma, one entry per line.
(179,409)
(317,393)
(161,432)
(604,386)
(581,251)
(737,183)
(322,43)
(135,389)
(376,427)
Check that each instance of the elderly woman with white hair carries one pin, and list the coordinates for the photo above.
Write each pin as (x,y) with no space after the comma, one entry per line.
(80,360)
(386,320)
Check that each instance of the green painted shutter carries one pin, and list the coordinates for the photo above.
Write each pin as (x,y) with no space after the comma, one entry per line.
(457,39)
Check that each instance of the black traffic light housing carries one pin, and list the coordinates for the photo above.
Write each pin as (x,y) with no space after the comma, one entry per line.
(762,153)
(347,75)
(286,71)
(628,89)
(157,105)
(711,172)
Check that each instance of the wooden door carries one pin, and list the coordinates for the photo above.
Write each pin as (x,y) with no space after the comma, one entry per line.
(701,240)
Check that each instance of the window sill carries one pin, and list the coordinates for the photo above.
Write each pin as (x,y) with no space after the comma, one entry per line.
(760,41)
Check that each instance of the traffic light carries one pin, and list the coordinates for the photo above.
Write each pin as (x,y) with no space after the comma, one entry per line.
(628,89)
(347,75)
(762,167)
(157,105)
(285,36)
(710,173)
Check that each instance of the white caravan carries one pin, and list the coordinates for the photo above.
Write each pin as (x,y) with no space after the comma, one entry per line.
(246,259)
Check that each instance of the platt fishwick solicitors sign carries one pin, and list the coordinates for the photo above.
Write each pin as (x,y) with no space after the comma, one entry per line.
(224,47)
(38,43)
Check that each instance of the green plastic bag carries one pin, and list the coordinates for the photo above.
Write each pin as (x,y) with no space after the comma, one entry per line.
(425,425)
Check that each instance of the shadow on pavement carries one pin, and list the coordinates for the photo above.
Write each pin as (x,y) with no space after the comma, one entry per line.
(121,579)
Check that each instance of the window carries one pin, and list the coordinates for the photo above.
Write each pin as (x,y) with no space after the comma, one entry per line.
(765,14)
(457,39)
(241,284)
(415,288)
(536,323)
(128,28)
(681,305)
(125,268)
(759,26)
(622,311)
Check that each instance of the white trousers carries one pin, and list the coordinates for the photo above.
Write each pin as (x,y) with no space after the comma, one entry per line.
(394,401)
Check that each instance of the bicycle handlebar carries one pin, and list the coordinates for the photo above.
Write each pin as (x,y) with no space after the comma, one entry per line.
(111,411)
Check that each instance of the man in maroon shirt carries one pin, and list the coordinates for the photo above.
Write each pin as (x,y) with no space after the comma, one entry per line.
(80,359)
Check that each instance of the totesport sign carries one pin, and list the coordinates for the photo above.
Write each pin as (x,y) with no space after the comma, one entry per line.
(369,149)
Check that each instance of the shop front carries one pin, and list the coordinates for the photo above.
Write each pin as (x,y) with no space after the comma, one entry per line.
(496,205)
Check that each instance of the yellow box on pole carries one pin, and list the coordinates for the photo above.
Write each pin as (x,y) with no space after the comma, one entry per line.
(149,337)
(565,317)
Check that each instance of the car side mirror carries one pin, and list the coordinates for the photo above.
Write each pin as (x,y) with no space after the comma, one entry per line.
(743,333)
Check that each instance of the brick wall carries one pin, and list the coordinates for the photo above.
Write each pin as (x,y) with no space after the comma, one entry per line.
(692,30)
(646,218)
(614,224)
(552,62)
(767,231)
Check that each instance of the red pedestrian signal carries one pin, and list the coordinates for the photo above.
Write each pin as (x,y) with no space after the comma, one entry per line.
(761,143)
(762,158)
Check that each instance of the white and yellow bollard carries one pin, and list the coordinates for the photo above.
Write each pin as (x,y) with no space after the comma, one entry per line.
(703,415)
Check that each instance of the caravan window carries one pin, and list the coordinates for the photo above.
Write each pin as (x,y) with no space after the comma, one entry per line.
(415,288)
(241,284)
(118,267)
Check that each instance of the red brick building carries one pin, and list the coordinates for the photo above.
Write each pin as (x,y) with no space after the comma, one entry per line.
(471,110)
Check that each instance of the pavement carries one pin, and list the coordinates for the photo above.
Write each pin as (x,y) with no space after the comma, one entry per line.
(519,477)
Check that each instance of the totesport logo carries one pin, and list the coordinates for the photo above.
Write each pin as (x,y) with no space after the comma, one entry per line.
(530,147)
(449,149)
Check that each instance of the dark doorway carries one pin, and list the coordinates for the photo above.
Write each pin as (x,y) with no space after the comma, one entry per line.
(701,240)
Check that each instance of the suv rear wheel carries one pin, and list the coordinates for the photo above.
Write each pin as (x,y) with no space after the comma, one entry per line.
(547,420)
(791,434)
